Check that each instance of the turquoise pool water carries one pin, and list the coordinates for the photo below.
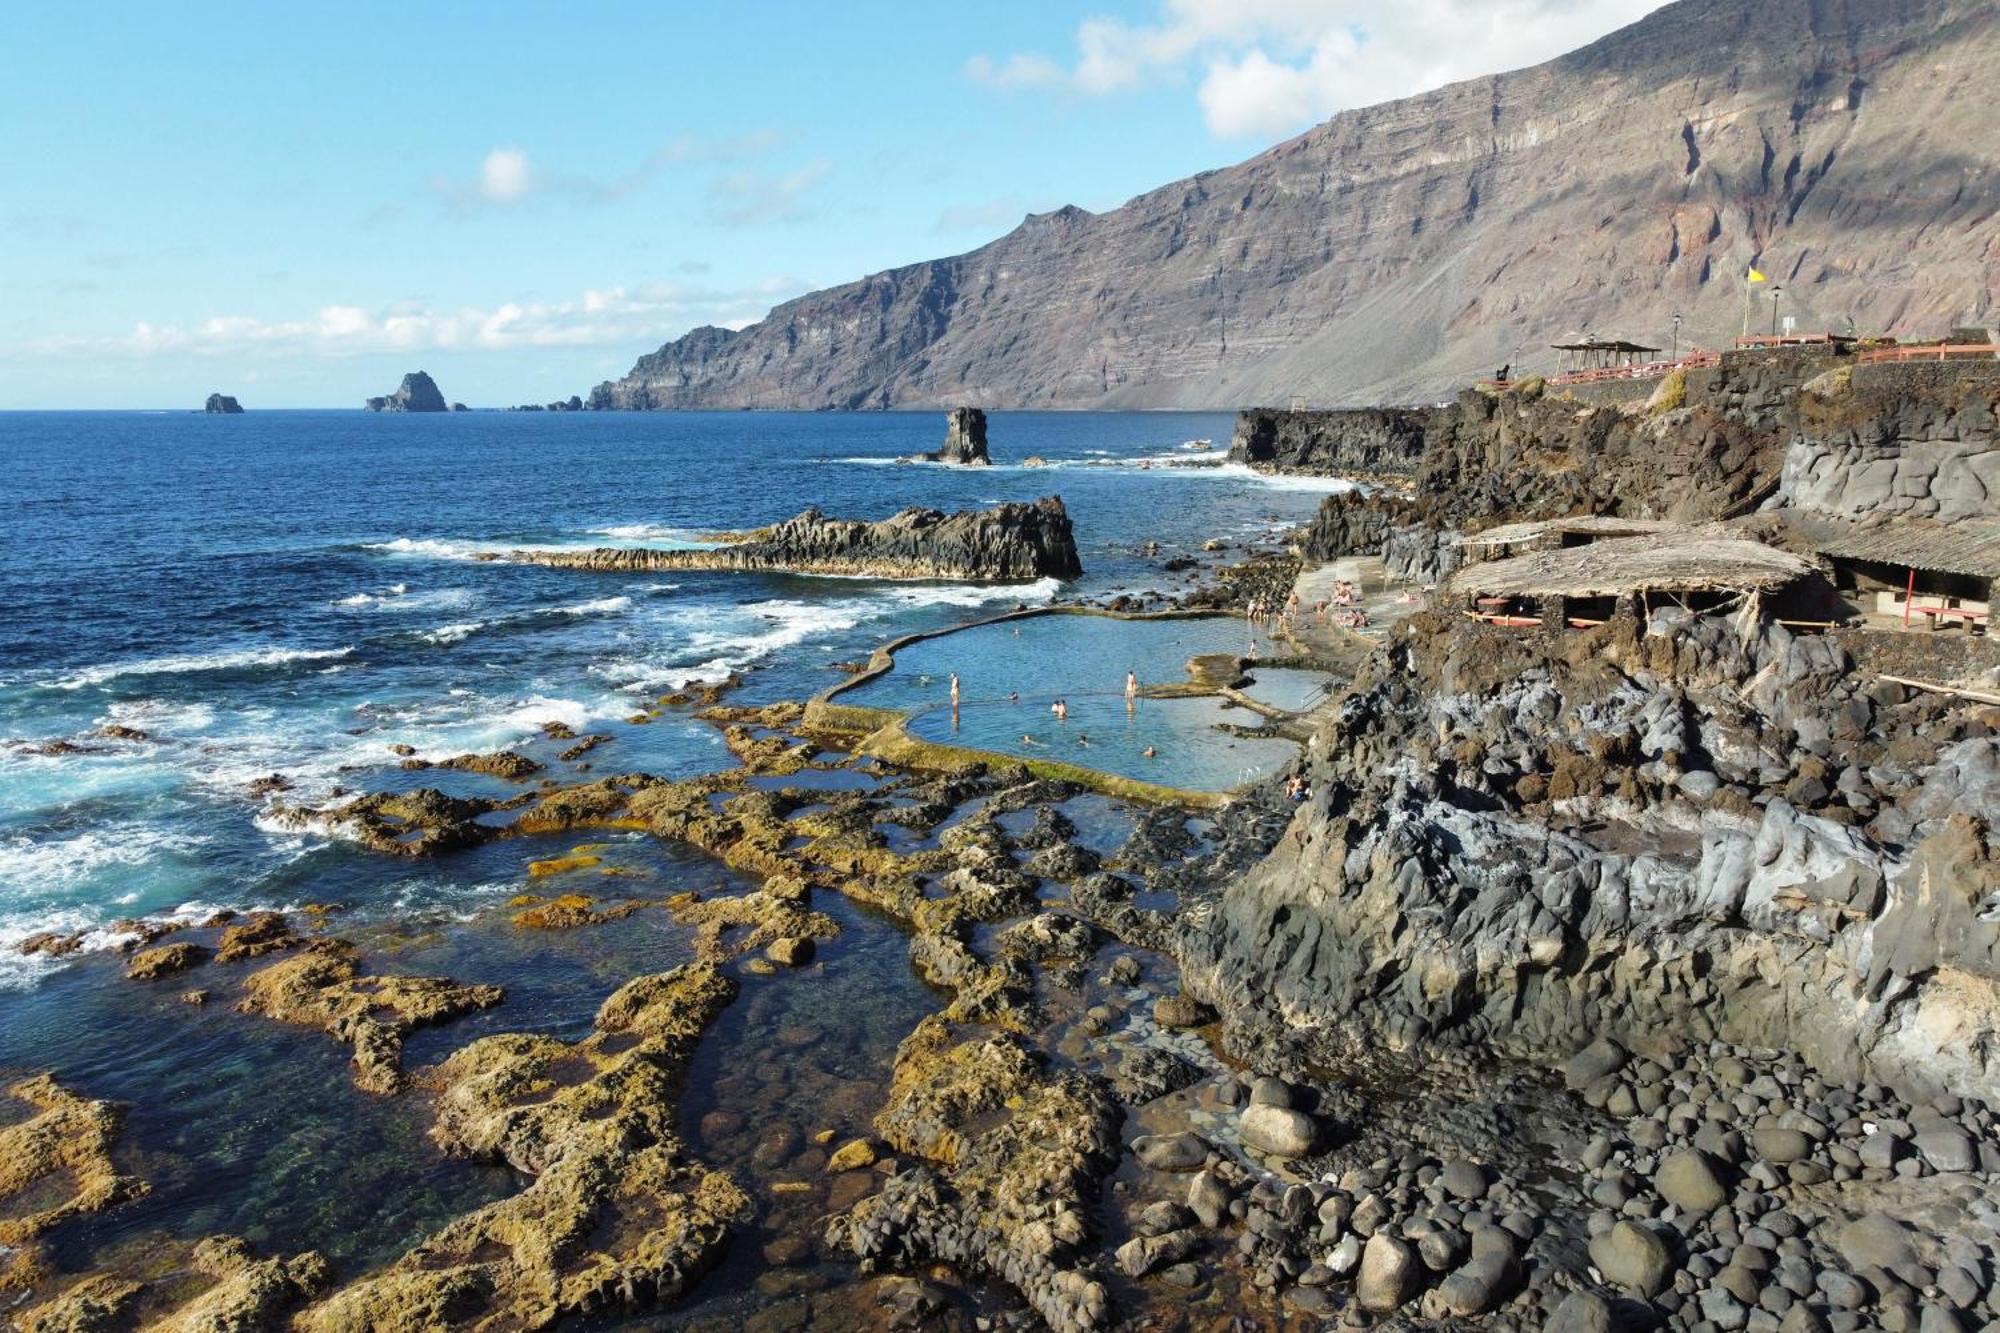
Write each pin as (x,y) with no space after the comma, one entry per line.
(1083,660)
(1290,688)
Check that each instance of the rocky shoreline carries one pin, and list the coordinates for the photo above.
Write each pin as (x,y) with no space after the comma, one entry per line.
(1007,543)
(1622,974)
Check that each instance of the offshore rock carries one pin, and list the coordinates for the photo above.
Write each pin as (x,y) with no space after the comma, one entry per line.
(222,405)
(964,439)
(417,393)
(1009,543)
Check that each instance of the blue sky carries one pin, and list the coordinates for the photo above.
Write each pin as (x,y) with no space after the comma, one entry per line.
(295,204)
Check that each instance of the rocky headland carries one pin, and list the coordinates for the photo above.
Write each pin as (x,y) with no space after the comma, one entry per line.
(417,393)
(1006,543)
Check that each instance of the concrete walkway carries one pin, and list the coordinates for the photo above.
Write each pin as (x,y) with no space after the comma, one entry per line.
(1383,602)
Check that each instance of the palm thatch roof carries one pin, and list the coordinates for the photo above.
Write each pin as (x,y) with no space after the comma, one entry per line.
(1579,525)
(1674,560)
(1971,547)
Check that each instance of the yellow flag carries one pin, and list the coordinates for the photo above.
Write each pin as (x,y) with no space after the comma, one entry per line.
(1755,276)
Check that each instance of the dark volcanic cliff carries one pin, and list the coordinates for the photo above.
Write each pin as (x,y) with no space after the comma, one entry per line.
(1842,145)
(1006,543)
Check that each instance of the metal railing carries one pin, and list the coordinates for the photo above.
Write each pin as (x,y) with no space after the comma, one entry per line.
(1931,352)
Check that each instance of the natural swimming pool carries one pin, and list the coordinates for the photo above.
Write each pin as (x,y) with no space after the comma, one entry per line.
(1011,672)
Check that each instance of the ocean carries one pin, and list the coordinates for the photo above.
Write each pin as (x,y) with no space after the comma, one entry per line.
(290,594)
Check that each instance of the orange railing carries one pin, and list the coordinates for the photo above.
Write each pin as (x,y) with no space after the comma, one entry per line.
(1755,340)
(1933,352)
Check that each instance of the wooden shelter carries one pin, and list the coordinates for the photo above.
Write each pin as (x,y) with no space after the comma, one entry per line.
(1919,572)
(1555,534)
(1701,568)
(1600,354)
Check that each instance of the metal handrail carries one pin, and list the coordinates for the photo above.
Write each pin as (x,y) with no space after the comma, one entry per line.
(1932,352)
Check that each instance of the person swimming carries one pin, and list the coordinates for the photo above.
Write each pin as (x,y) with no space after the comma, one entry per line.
(1027,739)
(1150,752)
(1082,739)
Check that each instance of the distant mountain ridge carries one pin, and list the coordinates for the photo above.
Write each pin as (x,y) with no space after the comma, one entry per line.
(1844,146)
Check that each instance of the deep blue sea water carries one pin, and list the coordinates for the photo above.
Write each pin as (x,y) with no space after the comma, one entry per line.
(293,592)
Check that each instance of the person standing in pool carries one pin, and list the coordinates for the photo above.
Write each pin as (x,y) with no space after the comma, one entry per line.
(954,691)
(1131,685)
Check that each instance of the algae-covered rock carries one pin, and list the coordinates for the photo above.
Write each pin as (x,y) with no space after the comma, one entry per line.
(617,1216)
(165,961)
(324,988)
(62,1149)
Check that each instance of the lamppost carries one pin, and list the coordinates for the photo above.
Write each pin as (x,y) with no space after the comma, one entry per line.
(1775,291)
(1677,339)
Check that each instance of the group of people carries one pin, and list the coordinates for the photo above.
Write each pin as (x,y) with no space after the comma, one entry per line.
(1058,709)
(1343,608)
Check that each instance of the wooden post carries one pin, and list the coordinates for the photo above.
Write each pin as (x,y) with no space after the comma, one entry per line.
(1909,595)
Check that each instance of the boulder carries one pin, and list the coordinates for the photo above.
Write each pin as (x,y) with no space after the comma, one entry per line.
(1688,1180)
(1581,1312)
(1632,1257)
(1389,1274)
(1278,1130)
(790,950)
(1602,1057)
(1171,1152)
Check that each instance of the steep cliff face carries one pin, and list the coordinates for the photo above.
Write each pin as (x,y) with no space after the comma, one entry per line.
(1398,250)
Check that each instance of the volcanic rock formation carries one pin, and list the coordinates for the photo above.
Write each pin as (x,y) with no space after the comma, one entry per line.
(417,393)
(1008,543)
(222,405)
(964,439)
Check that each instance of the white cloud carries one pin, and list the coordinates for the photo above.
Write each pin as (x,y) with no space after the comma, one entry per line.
(750,196)
(615,315)
(504,176)
(1269,67)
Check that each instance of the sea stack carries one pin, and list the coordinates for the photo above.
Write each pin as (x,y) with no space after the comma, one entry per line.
(964,438)
(418,393)
(222,405)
